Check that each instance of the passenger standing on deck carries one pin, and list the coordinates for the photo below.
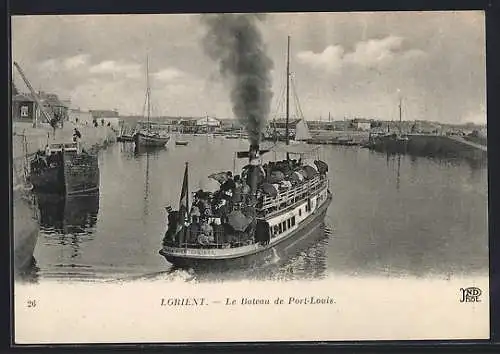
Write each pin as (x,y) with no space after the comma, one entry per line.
(229,184)
(195,214)
(53,124)
(76,135)
(237,192)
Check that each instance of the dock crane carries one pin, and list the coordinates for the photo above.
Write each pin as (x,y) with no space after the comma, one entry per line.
(34,94)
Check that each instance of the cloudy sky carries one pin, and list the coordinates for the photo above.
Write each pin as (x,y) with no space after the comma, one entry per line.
(345,64)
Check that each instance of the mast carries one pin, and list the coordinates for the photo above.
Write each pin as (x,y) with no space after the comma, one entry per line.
(287,136)
(274,131)
(187,191)
(400,116)
(148,92)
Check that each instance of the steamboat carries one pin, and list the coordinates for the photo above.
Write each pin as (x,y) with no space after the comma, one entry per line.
(267,209)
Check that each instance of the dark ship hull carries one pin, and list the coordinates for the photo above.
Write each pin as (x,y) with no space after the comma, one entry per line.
(390,144)
(25,230)
(50,181)
(125,138)
(74,174)
(309,230)
(81,174)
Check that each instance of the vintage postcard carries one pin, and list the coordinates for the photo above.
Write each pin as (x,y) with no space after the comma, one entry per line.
(249,177)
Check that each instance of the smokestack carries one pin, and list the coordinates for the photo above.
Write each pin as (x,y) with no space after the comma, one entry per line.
(253,171)
(234,41)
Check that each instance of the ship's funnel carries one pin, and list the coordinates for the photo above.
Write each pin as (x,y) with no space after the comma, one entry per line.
(253,168)
(253,154)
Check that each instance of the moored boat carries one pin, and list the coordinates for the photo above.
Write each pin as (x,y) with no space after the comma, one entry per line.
(151,138)
(126,135)
(271,206)
(64,168)
(181,142)
(147,136)
(25,227)
(391,143)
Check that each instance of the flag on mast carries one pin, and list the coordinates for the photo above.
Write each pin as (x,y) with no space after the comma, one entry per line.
(183,218)
(184,200)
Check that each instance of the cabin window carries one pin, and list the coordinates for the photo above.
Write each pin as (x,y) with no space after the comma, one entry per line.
(284,225)
(280,228)
(293,221)
(288,223)
(276,229)
(300,212)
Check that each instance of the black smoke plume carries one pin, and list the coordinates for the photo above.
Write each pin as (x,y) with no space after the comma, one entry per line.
(235,42)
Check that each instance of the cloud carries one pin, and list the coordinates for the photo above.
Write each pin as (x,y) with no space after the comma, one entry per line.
(64,63)
(374,51)
(349,64)
(169,74)
(49,65)
(130,70)
(330,59)
(372,54)
(76,61)
(477,116)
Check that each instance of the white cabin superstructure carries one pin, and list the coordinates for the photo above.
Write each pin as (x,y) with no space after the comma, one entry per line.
(302,205)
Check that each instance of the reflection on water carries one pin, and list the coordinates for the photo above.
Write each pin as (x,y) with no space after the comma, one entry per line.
(66,223)
(68,215)
(390,215)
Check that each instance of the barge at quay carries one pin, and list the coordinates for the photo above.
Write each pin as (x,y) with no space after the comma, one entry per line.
(64,169)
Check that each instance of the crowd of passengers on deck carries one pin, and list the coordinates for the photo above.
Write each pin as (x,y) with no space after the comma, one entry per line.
(210,222)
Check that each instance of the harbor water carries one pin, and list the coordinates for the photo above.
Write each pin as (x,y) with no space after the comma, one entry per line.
(391,216)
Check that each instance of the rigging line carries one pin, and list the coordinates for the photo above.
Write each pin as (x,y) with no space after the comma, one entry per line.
(280,99)
(294,89)
(144,106)
(282,93)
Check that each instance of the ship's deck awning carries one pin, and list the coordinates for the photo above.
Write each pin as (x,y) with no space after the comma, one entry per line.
(298,149)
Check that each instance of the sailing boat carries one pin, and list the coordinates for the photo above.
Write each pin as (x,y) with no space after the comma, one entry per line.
(302,133)
(395,142)
(148,137)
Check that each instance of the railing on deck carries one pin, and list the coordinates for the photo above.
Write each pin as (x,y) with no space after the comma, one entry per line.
(221,241)
(294,194)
